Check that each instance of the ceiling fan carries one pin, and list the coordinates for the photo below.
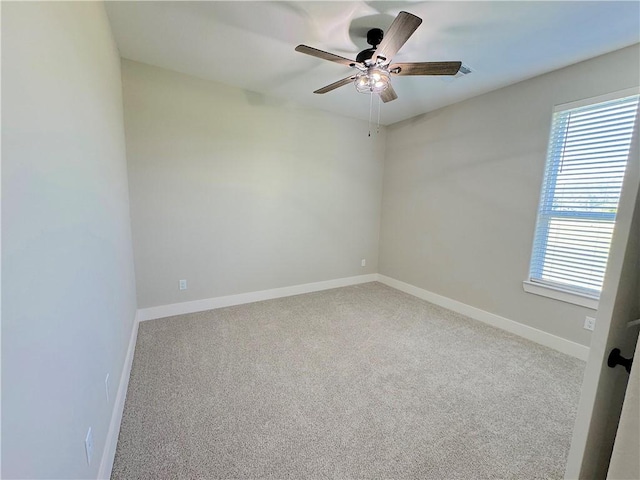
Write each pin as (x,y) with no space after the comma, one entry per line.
(374,64)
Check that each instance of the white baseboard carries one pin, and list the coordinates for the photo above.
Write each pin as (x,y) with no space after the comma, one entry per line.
(109,452)
(543,338)
(250,297)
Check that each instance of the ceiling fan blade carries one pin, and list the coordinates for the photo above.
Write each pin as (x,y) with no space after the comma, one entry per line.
(335,85)
(399,32)
(388,94)
(426,68)
(314,52)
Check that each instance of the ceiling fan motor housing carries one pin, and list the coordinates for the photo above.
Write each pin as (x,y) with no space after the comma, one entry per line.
(365,55)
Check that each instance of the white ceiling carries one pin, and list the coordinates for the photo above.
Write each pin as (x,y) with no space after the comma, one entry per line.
(251,44)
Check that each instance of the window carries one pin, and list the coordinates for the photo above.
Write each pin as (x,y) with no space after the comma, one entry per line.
(588,151)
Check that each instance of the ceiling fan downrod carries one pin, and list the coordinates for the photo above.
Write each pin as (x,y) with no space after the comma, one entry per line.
(374,37)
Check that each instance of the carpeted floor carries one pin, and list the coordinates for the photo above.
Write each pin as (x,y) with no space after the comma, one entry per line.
(356,382)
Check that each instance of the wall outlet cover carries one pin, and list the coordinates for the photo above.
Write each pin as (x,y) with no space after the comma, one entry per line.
(589,323)
(363,263)
(183,284)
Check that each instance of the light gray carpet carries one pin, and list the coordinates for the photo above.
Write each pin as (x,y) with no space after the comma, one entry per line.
(356,382)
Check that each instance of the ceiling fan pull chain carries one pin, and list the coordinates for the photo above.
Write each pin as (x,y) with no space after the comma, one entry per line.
(378,126)
(370,109)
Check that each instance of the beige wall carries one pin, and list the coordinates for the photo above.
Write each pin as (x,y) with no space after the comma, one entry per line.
(461,190)
(68,292)
(236,192)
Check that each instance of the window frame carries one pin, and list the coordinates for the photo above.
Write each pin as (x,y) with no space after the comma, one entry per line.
(559,291)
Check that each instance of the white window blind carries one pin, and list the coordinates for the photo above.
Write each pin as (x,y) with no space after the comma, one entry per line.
(586,161)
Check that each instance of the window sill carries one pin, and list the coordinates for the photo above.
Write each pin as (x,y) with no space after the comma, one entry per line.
(559,294)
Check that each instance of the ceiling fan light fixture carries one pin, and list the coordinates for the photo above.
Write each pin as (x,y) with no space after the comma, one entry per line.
(374,65)
(374,80)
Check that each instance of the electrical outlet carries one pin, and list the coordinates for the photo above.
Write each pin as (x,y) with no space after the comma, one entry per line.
(183,284)
(106,387)
(88,445)
(589,323)
(363,262)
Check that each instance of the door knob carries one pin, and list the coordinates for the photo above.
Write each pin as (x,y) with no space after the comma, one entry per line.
(616,359)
